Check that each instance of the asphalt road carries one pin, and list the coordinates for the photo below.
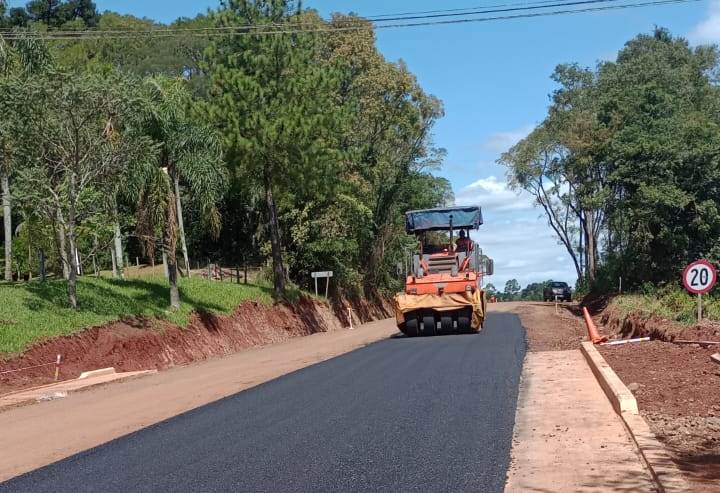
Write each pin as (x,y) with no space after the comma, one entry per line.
(426,414)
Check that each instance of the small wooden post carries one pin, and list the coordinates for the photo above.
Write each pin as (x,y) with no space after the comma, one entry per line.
(137,262)
(237,274)
(700,315)
(57,367)
(327,287)
(245,268)
(316,289)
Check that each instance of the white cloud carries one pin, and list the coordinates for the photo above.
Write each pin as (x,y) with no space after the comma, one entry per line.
(708,31)
(524,249)
(500,142)
(493,195)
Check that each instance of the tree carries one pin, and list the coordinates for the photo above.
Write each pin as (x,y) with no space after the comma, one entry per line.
(274,104)
(512,290)
(387,141)
(24,58)
(75,157)
(187,151)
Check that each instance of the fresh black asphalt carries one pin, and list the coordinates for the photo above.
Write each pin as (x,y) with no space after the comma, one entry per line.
(426,414)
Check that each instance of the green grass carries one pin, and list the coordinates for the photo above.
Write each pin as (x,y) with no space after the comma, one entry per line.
(670,303)
(34,311)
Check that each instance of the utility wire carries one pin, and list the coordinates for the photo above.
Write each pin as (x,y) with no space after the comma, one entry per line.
(489,9)
(258,30)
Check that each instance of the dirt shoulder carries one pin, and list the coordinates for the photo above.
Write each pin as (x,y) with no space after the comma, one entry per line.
(573,441)
(676,387)
(38,435)
(548,330)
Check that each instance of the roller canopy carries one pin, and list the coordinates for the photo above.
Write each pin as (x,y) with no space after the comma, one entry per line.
(439,219)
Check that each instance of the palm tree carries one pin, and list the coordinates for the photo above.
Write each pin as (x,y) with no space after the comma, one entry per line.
(187,154)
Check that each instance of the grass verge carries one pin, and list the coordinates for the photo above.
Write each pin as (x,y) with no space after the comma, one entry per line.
(670,303)
(35,311)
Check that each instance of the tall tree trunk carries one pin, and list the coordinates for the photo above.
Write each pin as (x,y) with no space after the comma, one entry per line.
(278,268)
(41,268)
(114,263)
(62,246)
(181,222)
(118,247)
(590,245)
(72,246)
(169,248)
(7,221)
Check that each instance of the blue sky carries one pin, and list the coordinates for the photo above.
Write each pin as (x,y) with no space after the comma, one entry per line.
(494,81)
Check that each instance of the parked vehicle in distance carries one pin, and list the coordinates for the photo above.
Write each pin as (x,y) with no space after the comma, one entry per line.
(561,290)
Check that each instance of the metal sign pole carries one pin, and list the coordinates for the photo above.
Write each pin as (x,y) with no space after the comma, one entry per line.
(316,290)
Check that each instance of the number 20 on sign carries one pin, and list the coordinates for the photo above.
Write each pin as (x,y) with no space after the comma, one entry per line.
(699,278)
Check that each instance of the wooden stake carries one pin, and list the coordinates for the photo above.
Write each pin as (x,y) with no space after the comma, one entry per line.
(57,367)
(699,308)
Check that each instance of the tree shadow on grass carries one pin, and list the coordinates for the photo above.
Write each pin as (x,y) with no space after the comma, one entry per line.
(113,298)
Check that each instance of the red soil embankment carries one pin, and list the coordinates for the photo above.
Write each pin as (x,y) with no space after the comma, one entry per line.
(637,324)
(142,344)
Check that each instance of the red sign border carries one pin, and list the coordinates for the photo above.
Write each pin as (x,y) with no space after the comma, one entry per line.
(712,269)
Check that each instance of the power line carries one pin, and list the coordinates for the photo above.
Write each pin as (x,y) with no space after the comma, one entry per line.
(255,30)
(440,11)
(489,9)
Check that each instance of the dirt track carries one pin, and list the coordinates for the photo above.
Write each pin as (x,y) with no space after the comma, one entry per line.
(546,329)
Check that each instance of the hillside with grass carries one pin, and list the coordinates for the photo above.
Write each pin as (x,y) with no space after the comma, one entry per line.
(35,311)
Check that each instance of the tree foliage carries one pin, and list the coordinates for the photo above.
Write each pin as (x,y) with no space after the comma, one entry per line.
(626,164)
(301,150)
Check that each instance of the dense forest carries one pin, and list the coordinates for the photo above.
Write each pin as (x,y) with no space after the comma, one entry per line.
(299,151)
(626,165)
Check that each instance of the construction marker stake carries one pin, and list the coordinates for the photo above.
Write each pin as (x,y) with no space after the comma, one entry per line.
(350,318)
(57,367)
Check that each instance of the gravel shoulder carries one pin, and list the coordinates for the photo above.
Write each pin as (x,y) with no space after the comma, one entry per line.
(546,328)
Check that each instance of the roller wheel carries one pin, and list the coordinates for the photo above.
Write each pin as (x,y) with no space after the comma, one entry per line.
(412,325)
(446,324)
(429,324)
(464,319)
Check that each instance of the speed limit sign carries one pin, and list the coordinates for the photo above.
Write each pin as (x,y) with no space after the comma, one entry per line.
(700,277)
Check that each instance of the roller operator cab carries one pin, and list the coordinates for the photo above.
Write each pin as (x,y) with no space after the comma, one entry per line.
(443,288)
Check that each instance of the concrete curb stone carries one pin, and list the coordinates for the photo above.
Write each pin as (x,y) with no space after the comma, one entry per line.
(664,471)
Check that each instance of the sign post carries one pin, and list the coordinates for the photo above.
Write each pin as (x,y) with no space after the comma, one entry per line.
(699,278)
(321,275)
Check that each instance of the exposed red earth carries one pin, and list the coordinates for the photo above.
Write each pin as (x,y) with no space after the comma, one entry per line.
(676,386)
(148,343)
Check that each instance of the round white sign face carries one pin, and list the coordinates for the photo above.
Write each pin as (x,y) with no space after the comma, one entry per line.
(700,277)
